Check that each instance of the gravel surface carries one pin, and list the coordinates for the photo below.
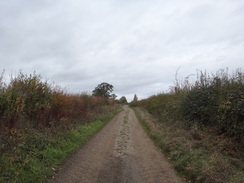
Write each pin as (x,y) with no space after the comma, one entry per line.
(121,152)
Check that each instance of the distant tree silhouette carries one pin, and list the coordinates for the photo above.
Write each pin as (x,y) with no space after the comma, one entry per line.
(123,100)
(113,96)
(135,99)
(103,90)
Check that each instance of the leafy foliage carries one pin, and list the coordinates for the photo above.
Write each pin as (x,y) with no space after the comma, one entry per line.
(103,90)
(41,124)
(123,100)
(212,101)
(28,100)
(135,99)
(217,101)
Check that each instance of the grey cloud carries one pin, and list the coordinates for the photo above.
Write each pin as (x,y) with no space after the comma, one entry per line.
(135,45)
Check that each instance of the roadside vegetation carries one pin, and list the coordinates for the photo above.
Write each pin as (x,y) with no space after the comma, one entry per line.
(41,124)
(123,100)
(200,126)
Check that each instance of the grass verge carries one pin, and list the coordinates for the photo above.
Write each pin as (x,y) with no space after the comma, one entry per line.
(38,154)
(197,155)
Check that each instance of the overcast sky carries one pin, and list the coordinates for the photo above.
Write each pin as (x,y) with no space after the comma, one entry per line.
(135,45)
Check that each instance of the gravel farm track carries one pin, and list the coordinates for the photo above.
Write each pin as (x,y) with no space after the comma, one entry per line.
(119,153)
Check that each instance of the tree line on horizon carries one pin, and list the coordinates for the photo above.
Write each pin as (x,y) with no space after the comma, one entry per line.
(105,90)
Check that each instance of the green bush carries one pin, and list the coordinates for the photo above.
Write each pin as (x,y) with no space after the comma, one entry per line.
(25,97)
(217,101)
(214,101)
(200,104)
(163,105)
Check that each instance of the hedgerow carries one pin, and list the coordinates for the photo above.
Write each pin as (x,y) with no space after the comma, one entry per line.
(28,100)
(41,124)
(213,100)
(217,101)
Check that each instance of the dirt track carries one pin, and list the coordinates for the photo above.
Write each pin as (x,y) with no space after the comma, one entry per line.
(120,152)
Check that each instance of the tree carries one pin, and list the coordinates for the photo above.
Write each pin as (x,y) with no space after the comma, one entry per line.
(103,90)
(113,96)
(135,99)
(123,100)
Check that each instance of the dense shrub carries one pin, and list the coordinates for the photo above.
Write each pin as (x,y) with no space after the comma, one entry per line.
(215,100)
(199,104)
(163,105)
(28,100)
(26,97)
(41,124)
